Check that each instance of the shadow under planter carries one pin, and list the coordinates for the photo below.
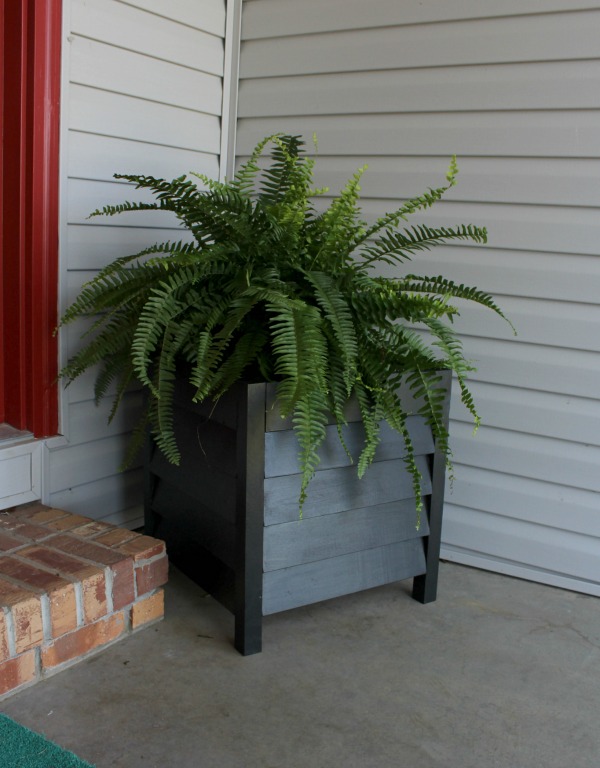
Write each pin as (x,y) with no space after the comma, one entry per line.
(229,511)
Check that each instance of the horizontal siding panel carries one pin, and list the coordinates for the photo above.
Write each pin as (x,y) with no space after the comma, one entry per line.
(511,273)
(530,456)
(535,228)
(124,26)
(209,15)
(539,546)
(511,134)
(552,323)
(132,518)
(294,18)
(534,501)
(535,367)
(91,247)
(99,157)
(551,37)
(551,85)
(83,197)
(117,493)
(112,114)
(534,181)
(527,410)
(76,465)
(91,423)
(97,65)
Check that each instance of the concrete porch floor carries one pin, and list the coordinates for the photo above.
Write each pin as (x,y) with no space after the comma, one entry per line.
(497,673)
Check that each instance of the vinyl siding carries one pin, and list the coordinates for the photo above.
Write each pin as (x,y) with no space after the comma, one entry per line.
(512,89)
(144,95)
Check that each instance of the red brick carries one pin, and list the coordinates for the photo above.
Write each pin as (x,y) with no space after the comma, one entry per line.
(4,652)
(46,515)
(143,548)
(61,593)
(8,542)
(63,610)
(151,608)
(17,672)
(29,574)
(83,640)
(26,611)
(68,522)
(123,588)
(152,575)
(23,528)
(87,550)
(120,565)
(91,529)
(58,562)
(94,597)
(117,537)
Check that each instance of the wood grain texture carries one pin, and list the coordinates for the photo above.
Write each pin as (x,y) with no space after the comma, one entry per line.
(281,448)
(319,538)
(333,490)
(322,580)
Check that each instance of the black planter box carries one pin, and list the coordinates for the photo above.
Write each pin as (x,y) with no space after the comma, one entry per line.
(229,512)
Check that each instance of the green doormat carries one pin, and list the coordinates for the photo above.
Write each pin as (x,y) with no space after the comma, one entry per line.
(22,748)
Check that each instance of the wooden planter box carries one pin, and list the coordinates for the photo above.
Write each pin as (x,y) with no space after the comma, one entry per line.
(229,512)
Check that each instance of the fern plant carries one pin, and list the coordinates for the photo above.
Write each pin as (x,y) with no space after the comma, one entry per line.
(269,288)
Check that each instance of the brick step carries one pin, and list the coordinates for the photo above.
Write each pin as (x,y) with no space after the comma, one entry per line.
(70,586)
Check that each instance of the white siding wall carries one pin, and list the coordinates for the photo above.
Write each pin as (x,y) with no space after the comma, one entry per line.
(144,95)
(513,88)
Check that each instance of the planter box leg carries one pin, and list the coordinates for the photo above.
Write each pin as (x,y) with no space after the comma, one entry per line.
(250,520)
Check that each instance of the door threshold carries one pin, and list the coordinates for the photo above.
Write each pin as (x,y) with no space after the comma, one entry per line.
(10,435)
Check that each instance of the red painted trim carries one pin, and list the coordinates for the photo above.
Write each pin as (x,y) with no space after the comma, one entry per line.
(32,35)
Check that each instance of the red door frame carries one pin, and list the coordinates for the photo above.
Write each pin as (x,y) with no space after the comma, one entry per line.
(29,223)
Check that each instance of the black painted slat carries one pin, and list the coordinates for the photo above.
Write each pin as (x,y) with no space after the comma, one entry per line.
(281,448)
(202,482)
(334,490)
(319,538)
(312,582)
(190,520)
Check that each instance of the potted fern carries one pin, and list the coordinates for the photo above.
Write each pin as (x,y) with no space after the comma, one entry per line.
(269,347)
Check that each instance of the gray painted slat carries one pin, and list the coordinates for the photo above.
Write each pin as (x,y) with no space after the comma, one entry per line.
(319,538)
(274,421)
(281,448)
(312,582)
(335,489)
